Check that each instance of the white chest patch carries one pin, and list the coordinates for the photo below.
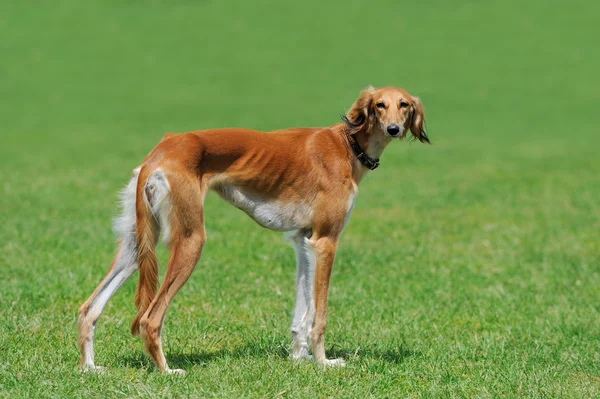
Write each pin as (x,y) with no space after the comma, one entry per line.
(269,214)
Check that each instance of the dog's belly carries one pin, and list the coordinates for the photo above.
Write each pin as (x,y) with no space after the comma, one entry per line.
(274,215)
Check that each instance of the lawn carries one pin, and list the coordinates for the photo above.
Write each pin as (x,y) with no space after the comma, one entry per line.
(470,268)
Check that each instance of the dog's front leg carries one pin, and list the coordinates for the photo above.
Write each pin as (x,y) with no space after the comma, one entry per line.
(325,248)
(304,308)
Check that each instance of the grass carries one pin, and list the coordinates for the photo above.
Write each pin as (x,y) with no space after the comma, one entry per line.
(470,268)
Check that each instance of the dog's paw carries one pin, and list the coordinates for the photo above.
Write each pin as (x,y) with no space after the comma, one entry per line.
(300,355)
(334,363)
(93,369)
(175,372)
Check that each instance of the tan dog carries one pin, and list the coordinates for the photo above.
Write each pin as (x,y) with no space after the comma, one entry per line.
(300,180)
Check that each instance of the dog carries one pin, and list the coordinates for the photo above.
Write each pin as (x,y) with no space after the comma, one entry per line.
(302,181)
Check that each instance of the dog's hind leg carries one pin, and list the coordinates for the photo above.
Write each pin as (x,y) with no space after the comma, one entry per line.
(304,308)
(186,242)
(122,267)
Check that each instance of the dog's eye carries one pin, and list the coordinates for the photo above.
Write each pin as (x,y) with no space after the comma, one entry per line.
(380,105)
(403,104)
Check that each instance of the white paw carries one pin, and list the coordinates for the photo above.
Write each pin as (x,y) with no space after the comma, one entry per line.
(302,354)
(93,369)
(175,371)
(335,363)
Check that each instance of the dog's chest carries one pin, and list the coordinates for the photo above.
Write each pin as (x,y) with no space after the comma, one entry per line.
(274,215)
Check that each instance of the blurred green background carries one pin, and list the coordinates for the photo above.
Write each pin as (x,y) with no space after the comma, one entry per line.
(470,268)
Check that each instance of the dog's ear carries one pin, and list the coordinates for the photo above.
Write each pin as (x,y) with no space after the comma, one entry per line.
(361,116)
(417,122)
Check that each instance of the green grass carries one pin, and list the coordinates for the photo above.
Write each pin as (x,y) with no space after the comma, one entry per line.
(470,268)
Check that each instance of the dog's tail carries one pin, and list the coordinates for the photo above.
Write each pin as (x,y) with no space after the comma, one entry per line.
(152,207)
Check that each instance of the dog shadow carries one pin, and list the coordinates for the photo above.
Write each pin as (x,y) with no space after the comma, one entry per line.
(392,355)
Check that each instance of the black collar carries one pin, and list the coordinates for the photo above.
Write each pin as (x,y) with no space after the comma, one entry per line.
(366,160)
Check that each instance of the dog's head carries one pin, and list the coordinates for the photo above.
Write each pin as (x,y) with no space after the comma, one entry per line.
(389,111)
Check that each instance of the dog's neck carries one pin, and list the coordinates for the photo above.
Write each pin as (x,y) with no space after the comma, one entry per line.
(373,145)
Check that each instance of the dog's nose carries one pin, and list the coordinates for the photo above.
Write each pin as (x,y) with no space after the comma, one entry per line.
(393,129)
